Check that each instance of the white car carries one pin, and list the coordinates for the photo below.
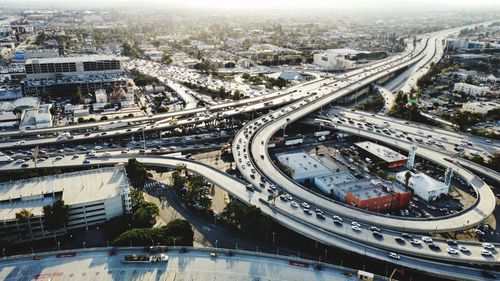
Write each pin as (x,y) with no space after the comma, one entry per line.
(415,242)
(488,246)
(335,217)
(356,228)
(394,256)
(294,205)
(305,205)
(486,253)
(353,223)
(427,239)
(452,251)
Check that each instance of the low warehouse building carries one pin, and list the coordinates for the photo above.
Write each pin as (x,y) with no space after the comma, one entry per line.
(423,186)
(305,168)
(373,194)
(381,155)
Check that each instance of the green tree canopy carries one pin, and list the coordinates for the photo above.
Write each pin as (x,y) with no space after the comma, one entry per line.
(24,215)
(137,173)
(55,215)
(179,229)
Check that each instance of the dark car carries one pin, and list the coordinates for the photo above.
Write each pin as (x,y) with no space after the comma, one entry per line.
(488,274)
(434,247)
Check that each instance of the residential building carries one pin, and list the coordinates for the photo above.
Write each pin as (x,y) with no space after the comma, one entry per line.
(93,197)
(470,90)
(423,186)
(480,107)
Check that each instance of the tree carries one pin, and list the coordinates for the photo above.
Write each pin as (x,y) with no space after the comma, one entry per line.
(166,58)
(55,215)
(407,178)
(24,215)
(196,192)
(145,215)
(104,118)
(137,173)
(246,219)
(381,173)
(178,230)
(245,76)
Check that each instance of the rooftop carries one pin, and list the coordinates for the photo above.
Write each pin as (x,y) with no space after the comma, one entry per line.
(336,178)
(303,165)
(74,59)
(382,152)
(371,188)
(77,187)
(422,180)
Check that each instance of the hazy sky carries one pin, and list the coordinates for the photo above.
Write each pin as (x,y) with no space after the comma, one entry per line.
(264,4)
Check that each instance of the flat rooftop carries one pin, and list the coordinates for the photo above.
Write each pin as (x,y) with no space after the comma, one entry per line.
(380,151)
(336,178)
(371,188)
(422,181)
(193,265)
(303,165)
(74,59)
(77,187)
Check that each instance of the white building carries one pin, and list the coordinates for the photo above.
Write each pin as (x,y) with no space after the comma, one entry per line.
(101,96)
(479,107)
(423,186)
(41,53)
(52,68)
(36,118)
(470,90)
(305,168)
(287,75)
(93,197)
(335,59)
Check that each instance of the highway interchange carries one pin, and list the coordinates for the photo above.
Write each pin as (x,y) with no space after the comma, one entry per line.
(251,141)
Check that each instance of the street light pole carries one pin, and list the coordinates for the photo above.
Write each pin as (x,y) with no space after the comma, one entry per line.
(273,238)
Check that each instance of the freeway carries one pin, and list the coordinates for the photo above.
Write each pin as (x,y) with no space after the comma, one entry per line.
(194,264)
(254,161)
(323,230)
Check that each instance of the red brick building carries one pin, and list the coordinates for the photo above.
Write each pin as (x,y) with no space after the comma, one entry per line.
(374,195)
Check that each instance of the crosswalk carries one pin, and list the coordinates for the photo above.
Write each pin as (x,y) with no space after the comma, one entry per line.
(156,184)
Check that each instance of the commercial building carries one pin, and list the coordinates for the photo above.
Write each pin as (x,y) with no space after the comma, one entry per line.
(41,53)
(66,86)
(54,68)
(93,197)
(480,107)
(470,90)
(335,59)
(305,168)
(36,118)
(373,194)
(381,155)
(328,183)
(423,186)
(287,75)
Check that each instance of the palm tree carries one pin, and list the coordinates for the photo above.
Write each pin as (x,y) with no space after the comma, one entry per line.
(407,178)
